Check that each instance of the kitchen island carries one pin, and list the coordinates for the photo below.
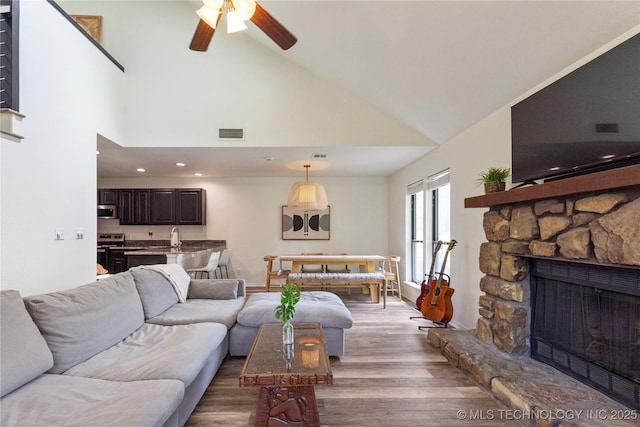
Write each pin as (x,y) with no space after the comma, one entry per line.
(190,254)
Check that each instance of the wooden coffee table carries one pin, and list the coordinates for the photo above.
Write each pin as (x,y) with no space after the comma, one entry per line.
(287,374)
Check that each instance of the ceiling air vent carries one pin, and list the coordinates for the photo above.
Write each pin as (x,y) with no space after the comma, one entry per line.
(231,134)
(319,156)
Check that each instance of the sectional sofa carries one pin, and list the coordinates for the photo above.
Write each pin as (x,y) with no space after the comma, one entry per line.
(136,349)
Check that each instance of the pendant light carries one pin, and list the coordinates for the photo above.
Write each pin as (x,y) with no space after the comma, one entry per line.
(307,195)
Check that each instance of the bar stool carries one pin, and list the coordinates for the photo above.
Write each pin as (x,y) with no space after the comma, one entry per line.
(210,268)
(393,276)
(225,257)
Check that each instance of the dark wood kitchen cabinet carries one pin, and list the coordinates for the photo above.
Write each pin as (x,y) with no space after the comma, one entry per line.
(134,207)
(126,207)
(160,206)
(107,196)
(190,206)
(163,206)
(142,207)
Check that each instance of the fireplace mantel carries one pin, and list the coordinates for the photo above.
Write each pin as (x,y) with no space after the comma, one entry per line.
(616,178)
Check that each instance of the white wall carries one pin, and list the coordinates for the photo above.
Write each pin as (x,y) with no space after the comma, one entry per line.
(49,179)
(466,155)
(487,143)
(246,212)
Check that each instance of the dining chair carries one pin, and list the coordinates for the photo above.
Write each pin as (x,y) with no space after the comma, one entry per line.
(329,268)
(279,274)
(392,275)
(312,268)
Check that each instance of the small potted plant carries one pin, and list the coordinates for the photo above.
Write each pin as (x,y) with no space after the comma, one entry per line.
(287,309)
(494,179)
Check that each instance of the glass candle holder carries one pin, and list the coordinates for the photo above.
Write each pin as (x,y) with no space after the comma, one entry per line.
(310,351)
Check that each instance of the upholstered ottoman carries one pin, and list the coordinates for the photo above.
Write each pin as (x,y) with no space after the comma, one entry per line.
(325,308)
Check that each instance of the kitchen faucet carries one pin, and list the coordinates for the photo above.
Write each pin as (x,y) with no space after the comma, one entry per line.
(175,237)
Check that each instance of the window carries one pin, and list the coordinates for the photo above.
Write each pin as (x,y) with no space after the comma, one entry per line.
(430,220)
(417,236)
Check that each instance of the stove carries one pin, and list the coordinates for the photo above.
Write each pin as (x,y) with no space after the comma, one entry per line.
(112,239)
(110,252)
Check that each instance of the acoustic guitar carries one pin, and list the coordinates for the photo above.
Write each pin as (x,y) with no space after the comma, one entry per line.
(424,286)
(437,305)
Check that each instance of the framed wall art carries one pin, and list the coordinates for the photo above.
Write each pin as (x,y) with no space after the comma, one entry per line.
(92,24)
(305,225)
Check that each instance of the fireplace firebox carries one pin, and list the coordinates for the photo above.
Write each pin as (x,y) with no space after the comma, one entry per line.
(585,321)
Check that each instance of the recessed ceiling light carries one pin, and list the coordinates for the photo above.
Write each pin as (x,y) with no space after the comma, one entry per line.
(269,158)
(141,170)
(97,152)
(180,164)
(555,168)
(197,174)
(609,156)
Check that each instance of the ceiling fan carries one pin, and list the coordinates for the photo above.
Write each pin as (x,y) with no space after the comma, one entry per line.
(238,11)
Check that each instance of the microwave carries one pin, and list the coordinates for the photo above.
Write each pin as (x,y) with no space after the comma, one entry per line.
(107,211)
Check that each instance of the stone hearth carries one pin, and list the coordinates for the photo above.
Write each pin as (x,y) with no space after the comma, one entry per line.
(536,394)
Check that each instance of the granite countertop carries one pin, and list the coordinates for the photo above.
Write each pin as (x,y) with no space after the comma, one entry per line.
(160,247)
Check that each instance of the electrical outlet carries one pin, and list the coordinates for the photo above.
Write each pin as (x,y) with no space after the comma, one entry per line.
(59,233)
(79,233)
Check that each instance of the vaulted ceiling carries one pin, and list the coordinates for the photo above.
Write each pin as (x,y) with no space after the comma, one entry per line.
(437,67)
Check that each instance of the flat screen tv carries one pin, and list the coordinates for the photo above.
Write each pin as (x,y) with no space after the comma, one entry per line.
(587,121)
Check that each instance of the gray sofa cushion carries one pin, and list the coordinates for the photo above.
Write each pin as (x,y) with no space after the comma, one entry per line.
(81,322)
(213,289)
(325,308)
(23,351)
(199,311)
(156,293)
(156,352)
(62,400)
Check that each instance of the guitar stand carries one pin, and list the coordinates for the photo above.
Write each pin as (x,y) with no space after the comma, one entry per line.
(435,324)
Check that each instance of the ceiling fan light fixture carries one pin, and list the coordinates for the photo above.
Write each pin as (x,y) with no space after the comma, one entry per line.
(244,8)
(307,195)
(209,15)
(234,22)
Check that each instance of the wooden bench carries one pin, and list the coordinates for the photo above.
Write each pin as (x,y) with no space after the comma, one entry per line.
(341,279)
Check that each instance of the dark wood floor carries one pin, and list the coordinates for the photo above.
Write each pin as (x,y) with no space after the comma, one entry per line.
(389,376)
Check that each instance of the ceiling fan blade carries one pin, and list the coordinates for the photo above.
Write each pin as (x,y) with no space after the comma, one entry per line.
(203,35)
(272,28)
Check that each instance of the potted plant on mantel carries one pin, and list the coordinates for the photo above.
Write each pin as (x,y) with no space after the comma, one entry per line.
(285,311)
(494,179)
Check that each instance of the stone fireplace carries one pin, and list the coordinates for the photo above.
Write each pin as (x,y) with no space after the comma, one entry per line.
(562,277)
